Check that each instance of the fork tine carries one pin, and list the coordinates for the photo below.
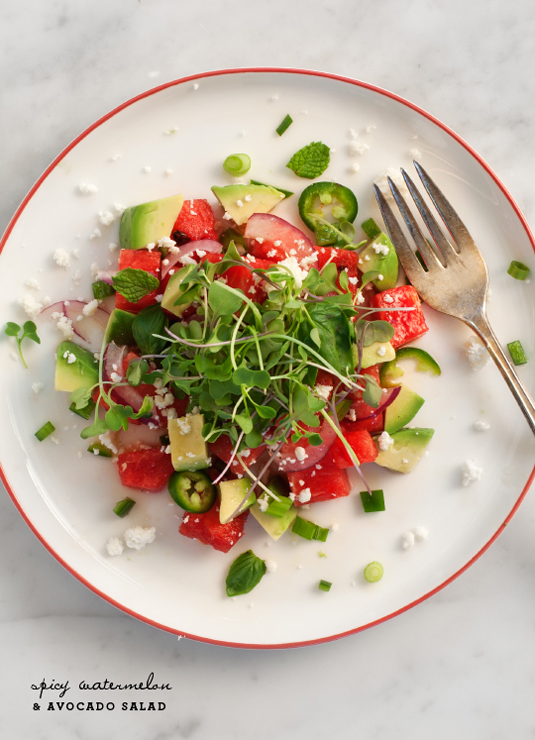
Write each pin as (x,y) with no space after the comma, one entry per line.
(429,256)
(409,262)
(446,211)
(446,249)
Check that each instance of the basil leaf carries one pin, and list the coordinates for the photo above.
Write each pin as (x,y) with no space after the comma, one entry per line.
(245,573)
(334,330)
(148,322)
(134,284)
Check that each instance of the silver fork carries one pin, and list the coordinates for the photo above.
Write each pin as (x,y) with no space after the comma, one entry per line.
(456,280)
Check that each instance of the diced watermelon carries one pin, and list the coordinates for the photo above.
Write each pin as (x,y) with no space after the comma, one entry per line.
(374,425)
(361,408)
(146,469)
(324,481)
(408,325)
(209,531)
(196,220)
(361,443)
(340,257)
(223,447)
(139,259)
(243,278)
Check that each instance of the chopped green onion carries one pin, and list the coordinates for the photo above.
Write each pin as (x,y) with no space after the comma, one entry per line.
(371,229)
(84,412)
(286,193)
(518,270)
(373,572)
(517,353)
(284,125)
(309,530)
(100,450)
(324,585)
(237,164)
(123,507)
(279,508)
(102,290)
(45,431)
(375,502)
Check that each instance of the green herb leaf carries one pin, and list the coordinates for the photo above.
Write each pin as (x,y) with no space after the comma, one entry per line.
(117,417)
(244,422)
(80,398)
(250,378)
(372,393)
(245,573)
(12,329)
(311,161)
(135,371)
(145,410)
(147,323)
(133,284)
(99,426)
(334,330)
(377,331)
(223,301)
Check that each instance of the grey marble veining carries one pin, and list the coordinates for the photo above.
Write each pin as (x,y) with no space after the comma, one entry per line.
(460,664)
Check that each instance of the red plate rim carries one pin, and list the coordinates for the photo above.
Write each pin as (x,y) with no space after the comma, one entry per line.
(266,70)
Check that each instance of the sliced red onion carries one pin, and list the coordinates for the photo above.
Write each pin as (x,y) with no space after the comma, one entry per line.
(267,227)
(388,397)
(204,245)
(89,328)
(288,462)
(106,276)
(113,367)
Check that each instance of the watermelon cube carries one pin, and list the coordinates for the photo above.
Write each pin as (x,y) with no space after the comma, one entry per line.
(361,443)
(223,447)
(196,221)
(209,531)
(321,482)
(148,469)
(408,325)
(139,259)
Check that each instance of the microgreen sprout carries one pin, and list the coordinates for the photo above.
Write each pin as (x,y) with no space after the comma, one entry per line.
(29,331)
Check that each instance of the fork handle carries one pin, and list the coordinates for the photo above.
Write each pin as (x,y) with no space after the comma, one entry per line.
(483,329)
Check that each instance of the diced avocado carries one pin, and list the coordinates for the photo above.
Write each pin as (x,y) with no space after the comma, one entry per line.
(373,354)
(263,199)
(232,493)
(275,526)
(402,409)
(80,373)
(387,264)
(149,222)
(119,327)
(188,448)
(391,371)
(173,291)
(407,449)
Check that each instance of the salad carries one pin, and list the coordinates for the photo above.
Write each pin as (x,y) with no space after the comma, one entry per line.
(262,360)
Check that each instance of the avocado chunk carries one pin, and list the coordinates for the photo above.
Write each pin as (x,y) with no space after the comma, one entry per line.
(149,222)
(391,371)
(275,526)
(119,327)
(174,291)
(405,452)
(263,199)
(232,493)
(188,448)
(402,409)
(82,372)
(387,264)
(373,354)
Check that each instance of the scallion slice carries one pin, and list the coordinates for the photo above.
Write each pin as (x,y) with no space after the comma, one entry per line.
(373,572)
(45,431)
(370,228)
(373,502)
(284,125)
(123,507)
(279,508)
(100,450)
(237,164)
(518,270)
(324,585)
(102,290)
(516,350)
(309,530)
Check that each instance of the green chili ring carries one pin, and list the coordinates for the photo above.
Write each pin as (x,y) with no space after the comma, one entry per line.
(192,490)
(342,199)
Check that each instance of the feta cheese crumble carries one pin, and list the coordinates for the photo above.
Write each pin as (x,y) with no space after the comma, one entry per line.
(61,258)
(421,533)
(407,541)
(305,495)
(31,307)
(95,234)
(271,566)
(86,188)
(476,352)
(481,426)
(114,546)
(106,217)
(384,440)
(323,391)
(90,308)
(471,472)
(137,537)
(300,453)
(32,283)
(357,147)
(36,387)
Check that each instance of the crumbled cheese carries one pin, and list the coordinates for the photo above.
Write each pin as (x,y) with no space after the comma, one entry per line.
(357,147)
(471,472)
(119,208)
(298,274)
(407,541)
(421,533)
(477,353)
(354,168)
(166,242)
(388,298)
(248,198)
(116,378)
(195,86)
(108,442)
(416,153)
(370,127)
(227,216)
(184,426)
(147,169)
(71,359)
(271,566)
(360,298)
(380,277)
(95,234)
(323,391)
(31,307)
(106,217)
(380,249)
(396,177)
(354,134)
(300,453)
(263,503)
(168,172)
(138,537)
(305,495)
(61,258)
(114,546)
(32,283)
(381,350)
(481,426)
(190,454)
(353,280)
(86,188)
(65,325)
(90,308)
(384,440)
(239,203)
(351,415)
(36,387)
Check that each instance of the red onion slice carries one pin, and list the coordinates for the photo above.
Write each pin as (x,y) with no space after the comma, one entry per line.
(106,276)
(288,463)
(88,328)
(204,245)
(272,229)
(388,397)
(113,367)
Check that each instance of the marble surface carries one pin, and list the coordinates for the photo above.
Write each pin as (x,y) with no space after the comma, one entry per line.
(460,663)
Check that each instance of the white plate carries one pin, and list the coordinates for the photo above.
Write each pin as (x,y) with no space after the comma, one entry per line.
(175,583)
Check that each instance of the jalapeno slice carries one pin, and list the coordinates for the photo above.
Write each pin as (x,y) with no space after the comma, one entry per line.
(192,490)
(341,201)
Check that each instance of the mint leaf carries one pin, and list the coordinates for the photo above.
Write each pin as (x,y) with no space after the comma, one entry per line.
(245,573)
(311,161)
(133,284)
